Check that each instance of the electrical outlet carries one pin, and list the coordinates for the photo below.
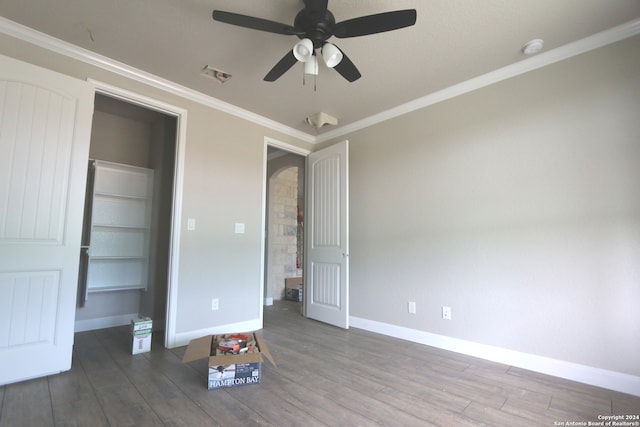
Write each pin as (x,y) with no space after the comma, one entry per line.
(411,306)
(446,312)
(215,304)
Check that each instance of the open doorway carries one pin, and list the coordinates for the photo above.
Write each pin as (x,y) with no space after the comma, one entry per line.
(284,227)
(325,229)
(121,285)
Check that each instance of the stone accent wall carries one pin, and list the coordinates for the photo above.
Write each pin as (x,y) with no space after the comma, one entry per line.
(283,230)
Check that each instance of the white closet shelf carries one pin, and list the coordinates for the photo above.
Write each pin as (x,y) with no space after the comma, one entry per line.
(116,287)
(124,227)
(118,256)
(119,196)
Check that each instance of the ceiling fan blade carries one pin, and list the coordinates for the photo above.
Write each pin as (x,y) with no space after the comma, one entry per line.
(347,69)
(318,7)
(281,67)
(372,24)
(255,23)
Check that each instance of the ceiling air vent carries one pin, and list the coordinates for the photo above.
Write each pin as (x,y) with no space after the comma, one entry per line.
(213,73)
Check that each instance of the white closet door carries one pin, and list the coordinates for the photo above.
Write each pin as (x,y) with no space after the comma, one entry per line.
(45,122)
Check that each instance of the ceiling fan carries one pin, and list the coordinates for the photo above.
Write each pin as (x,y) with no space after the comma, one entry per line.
(314,25)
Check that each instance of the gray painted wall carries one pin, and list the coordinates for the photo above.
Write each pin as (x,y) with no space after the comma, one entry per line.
(517,205)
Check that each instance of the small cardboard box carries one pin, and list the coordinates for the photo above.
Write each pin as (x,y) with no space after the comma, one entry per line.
(293,283)
(229,370)
(141,330)
(293,294)
(293,289)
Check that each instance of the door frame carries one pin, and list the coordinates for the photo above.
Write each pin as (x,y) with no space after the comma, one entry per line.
(270,142)
(176,214)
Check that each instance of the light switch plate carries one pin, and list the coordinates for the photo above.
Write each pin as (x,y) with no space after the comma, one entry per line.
(191,224)
(239,228)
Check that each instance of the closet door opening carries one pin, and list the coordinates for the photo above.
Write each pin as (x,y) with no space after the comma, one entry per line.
(128,216)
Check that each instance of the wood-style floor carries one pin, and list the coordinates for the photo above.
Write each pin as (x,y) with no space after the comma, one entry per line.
(325,377)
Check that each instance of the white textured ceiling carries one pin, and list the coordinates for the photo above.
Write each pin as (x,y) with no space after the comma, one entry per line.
(452,41)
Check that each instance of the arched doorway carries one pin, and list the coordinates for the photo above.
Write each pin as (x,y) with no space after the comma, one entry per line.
(284,225)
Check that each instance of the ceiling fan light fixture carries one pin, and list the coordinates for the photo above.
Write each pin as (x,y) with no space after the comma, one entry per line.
(311,66)
(303,50)
(331,55)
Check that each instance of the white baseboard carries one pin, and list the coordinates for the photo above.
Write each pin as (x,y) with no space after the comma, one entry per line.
(612,380)
(183,338)
(104,322)
(268,301)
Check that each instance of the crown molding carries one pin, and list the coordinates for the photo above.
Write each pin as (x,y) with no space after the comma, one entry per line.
(578,47)
(69,50)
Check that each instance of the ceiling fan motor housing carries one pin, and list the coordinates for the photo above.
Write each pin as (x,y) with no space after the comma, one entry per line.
(318,30)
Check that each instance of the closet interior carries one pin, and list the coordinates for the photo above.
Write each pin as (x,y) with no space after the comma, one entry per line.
(127,221)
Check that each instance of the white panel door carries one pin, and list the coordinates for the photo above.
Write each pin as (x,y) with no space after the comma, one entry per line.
(45,128)
(327,233)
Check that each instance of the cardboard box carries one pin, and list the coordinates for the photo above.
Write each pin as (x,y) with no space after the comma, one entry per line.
(293,289)
(229,370)
(293,294)
(293,283)
(141,331)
